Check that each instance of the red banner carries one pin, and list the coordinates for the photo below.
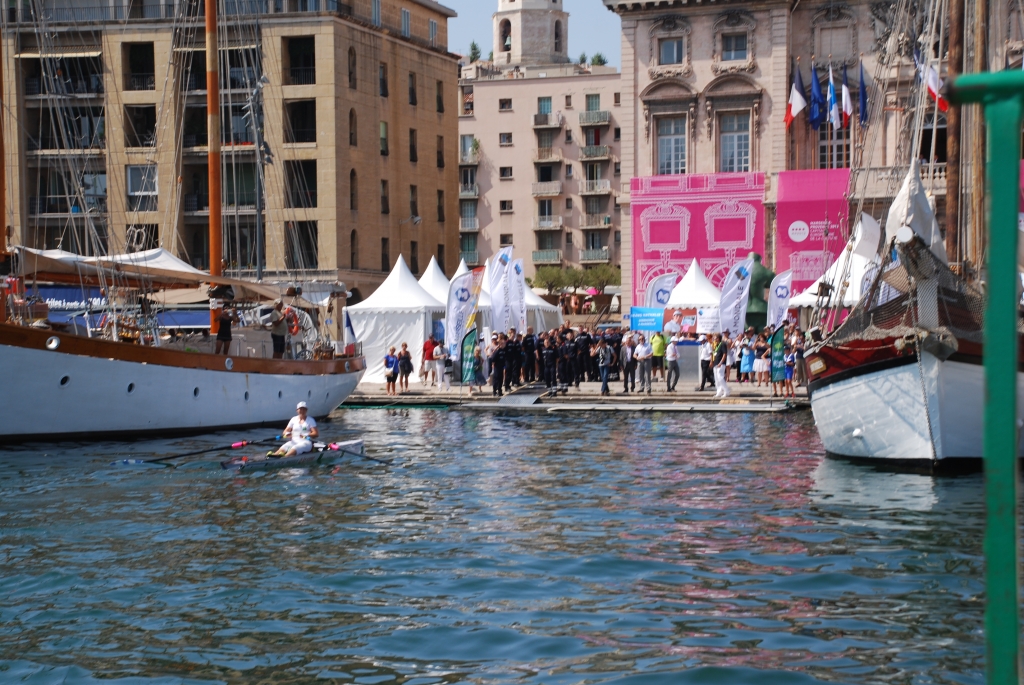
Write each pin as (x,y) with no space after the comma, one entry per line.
(812,222)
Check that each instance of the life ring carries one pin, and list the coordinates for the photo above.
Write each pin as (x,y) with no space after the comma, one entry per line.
(293,321)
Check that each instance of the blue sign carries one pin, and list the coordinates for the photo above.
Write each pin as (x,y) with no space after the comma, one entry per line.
(646,318)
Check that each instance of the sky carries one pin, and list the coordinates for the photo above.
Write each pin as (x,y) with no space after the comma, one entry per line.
(592,28)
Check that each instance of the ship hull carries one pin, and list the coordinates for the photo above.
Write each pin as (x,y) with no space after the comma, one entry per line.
(69,389)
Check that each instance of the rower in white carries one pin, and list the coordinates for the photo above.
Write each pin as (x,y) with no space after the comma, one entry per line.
(301,431)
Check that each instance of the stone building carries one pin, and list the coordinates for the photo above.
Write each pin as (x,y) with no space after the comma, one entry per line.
(356,103)
(539,146)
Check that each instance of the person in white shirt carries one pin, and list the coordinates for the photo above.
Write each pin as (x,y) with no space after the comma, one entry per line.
(643,354)
(443,370)
(301,431)
(672,363)
(704,353)
(730,354)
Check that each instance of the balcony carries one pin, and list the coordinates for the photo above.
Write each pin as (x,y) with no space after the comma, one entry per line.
(471,258)
(469,191)
(547,155)
(547,189)
(599,118)
(302,76)
(601,255)
(64,204)
(594,153)
(69,145)
(469,157)
(884,182)
(545,121)
(469,224)
(596,221)
(81,84)
(599,187)
(547,223)
(140,82)
(191,140)
(546,257)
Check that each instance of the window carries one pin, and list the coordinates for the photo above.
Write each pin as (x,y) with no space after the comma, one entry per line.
(384,139)
(353,249)
(568,239)
(414,201)
(413,153)
(505,206)
(505,33)
(385,201)
(300,121)
(593,136)
(300,245)
(618,134)
(406,23)
(352,80)
(734,46)
(440,96)
(413,100)
(543,105)
(545,209)
(414,257)
(617,99)
(505,105)
(568,102)
(467,211)
(440,257)
(568,170)
(545,174)
(838,142)
(547,240)
(141,65)
(467,100)
(466,147)
(440,206)
(139,126)
(440,152)
(558,36)
(142,188)
(300,183)
(504,139)
(353,191)
(734,142)
(467,242)
(594,240)
(618,237)
(432,28)
(385,255)
(593,102)
(505,239)
(670,51)
(353,138)
(618,169)
(568,204)
(375,13)
(672,146)
(382,73)
(568,136)
(302,60)
(505,172)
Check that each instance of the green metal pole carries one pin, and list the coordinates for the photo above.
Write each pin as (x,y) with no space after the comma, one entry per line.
(1002,95)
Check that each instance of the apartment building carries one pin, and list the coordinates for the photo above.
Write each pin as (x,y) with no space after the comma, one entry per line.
(338,129)
(539,140)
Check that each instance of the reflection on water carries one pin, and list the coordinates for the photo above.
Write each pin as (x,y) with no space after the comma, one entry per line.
(495,549)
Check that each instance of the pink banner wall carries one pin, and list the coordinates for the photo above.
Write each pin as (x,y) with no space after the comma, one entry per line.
(716,219)
(808,203)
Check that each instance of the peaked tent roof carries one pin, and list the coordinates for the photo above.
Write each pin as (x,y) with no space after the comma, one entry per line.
(463,269)
(400,292)
(695,290)
(434,281)
(859,267)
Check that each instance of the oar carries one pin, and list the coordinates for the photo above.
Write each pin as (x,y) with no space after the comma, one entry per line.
(232,446)
(338,446)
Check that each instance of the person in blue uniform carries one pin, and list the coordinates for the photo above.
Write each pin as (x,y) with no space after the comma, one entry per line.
(497,361)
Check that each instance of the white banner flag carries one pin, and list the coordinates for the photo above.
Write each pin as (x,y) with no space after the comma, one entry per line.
(735,292)
(501,302)
(660,290)
(709,320)
(460,315)
(778,298)
(518,292)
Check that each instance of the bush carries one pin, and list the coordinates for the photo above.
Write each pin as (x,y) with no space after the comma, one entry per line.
(602,276)
(575,278)
(550,278)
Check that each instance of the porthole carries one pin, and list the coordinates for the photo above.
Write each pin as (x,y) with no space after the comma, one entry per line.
(346,367)
(195,392)
(52,343)
(64,380)
(131,388)
(229,364)
(279,394)
(246,395)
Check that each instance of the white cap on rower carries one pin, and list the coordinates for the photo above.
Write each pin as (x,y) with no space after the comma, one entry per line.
(300,405)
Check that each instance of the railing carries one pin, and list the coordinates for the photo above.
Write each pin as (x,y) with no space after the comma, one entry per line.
(192,82)
(245,137)
(194,140)
(595,187)
(63,204)
(87,84)
(547,154)
(470,157)
(547,223)
(303,135)
(302,199)
(469,223)
(599,118)
(471,258)
(72,142)
(546,257)
(596,221)
(141,82)
(547,120)
(468,191)
(601,254)
(240,78)
(245,200)
(884,182)
(142,203)
(302,76)
(195,202)
(595,152)
(547,188)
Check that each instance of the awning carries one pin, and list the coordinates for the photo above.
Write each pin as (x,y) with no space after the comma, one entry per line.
(62,53)
(202,47)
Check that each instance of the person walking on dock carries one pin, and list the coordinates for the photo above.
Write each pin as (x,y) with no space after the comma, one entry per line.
(443,364)
(719,358)
(529,345)
(605,358)
(658,356)
(404,368)
(391,370)
(427,367)
(643,354)
(497,360)
(705,354)
(627,363)
(672,363)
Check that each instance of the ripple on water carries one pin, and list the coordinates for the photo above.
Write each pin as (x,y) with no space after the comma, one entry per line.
(529,549)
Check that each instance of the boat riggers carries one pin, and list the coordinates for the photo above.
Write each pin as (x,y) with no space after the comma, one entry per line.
(232,446)
(262,463)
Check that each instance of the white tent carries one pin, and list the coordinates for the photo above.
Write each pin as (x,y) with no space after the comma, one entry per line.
(434,282)
(859,266)
(463,269)
(399,311)
(694,291)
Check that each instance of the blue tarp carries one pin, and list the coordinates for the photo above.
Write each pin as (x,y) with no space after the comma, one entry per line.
(184,318)
(68,298)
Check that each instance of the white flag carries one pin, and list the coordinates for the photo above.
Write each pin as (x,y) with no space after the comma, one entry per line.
(501,302)
(660,290)
(460,314)
(518,291)
(735,292)
(778,298)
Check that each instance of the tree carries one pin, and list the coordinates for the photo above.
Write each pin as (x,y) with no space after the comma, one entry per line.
(583,58)
(550,278)
(490,56)
(474,52)
(598,60)
(602,276)
(575,278)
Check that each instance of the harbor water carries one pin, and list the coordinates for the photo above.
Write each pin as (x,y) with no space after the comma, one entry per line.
(495,548)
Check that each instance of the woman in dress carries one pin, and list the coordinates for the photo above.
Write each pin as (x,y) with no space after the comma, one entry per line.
(746,361)
(404,368)
(391,370)
(762,352)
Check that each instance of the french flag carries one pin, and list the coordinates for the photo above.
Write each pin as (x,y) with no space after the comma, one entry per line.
(847,101)
(934,84)
(797,101)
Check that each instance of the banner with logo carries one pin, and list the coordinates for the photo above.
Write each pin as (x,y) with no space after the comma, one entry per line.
(460,314)
(646,318)
(468,352)
(501,300)
(735,293)
(660,289)
(812,219)
(778,343)
(778,298)
(518,293)
(709,320)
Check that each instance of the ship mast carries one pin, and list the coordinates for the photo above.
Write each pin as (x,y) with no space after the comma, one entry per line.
(3,188)
(213,139)
(955,68)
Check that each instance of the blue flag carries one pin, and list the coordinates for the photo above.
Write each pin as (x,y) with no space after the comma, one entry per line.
(817,109)
(862,98)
